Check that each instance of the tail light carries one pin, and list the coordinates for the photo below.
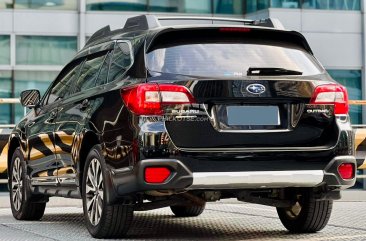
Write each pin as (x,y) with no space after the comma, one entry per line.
(148,99)
(230,29)
(156,174)
(331,94)
(346,170)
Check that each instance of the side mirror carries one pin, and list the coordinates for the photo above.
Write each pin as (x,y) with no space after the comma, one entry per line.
(30,98)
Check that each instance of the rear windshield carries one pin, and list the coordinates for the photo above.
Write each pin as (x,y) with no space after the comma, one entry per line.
(229,57)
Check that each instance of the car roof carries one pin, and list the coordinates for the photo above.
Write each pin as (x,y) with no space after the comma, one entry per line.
(147,23)
(153,25)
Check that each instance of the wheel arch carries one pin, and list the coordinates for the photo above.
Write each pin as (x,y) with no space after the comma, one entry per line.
(14,143)
(89,139)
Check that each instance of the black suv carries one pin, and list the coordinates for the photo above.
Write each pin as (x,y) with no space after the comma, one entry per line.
(181,111)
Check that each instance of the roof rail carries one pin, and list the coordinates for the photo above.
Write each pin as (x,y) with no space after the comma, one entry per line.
(268,22)
(146,22)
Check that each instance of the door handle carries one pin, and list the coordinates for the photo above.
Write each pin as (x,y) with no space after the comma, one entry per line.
(83,105)
(30,124)
(52,116)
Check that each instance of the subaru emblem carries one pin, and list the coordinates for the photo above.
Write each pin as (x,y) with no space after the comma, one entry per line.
(256,89)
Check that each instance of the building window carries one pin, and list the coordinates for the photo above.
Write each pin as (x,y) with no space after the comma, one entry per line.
(352,80)
(46,4)
(180,6)
(4,49)
(228,6)
(119,5)
(24,80)
(256,5)
(5,92)
(6,4)
(45,50)
(263,4)
(172,6)
(285,3)
(332,5)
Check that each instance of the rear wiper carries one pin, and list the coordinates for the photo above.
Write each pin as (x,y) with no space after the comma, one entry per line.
(271,71)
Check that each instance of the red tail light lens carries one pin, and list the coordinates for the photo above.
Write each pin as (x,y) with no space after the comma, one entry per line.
(156,174)
(148,99)
(346,170)
(332,94)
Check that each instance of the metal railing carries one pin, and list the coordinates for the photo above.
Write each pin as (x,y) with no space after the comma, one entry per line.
(10,101)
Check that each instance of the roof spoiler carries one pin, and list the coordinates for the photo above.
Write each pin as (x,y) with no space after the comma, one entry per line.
(147,22)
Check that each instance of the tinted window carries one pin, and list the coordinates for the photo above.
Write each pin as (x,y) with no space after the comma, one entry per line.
(121,61)
(225,57)
(89,73)
(63,85)
(103,73)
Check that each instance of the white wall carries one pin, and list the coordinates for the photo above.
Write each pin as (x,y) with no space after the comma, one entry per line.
(334,36)
(23,22)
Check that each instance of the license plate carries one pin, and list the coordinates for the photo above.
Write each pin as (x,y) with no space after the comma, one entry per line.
(253,115)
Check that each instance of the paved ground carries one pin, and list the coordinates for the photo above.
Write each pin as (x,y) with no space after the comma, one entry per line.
(229,220)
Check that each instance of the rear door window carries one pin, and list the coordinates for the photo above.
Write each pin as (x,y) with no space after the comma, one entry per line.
(103,73)
(63,85)
(121,61)
(89,73)
(228,55)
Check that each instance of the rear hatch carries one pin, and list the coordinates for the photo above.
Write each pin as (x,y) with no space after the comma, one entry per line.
(246,87)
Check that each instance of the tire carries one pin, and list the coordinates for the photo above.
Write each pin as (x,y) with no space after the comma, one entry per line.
(21,204)
(188,211)
(307,215)
(102,220)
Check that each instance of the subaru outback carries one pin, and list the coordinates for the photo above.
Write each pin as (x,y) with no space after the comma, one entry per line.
(180,111)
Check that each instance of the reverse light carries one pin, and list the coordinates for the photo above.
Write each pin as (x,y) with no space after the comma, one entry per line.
(332,94)
(156,174)
(346,170)
(148,99)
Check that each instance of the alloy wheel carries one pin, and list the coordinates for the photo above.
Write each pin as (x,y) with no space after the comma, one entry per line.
(17,184)
(94,191)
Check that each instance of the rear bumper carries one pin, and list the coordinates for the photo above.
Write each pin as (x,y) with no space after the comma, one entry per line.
(127,181)
(265,179)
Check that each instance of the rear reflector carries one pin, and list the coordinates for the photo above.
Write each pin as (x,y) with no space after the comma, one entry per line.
(346,170)
(148,99)
(156,174)
(332,94)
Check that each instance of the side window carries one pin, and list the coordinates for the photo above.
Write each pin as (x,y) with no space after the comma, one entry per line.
(121,61)
(63,85)
(89,73)
(103,73)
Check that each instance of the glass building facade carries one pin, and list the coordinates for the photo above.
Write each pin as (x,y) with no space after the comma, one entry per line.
(4,49)
(182,6)
(45,50)
(31,54)
(352,80)
(40,4)
(256,5)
